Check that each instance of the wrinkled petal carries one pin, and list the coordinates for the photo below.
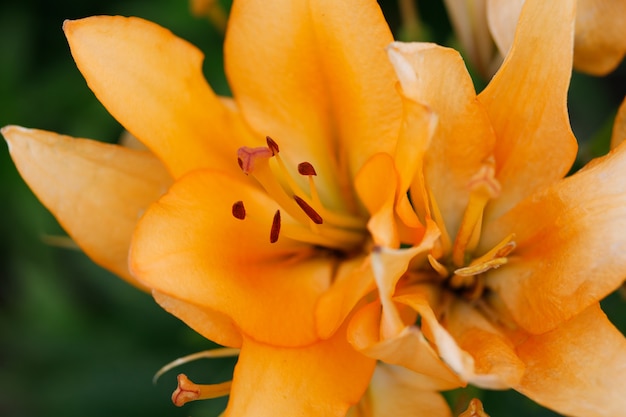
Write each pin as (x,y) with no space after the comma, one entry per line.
(493,353)
(96,191)
(527,103)
(152,83)
(408,348)
(324,86)
(190,246)
(395,391)
(210,324)
(579,368)
(323,379)
(437,78)
(571,240)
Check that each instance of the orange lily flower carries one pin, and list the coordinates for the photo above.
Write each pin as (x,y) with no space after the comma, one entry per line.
(242,252)
(599,47)
(508,295)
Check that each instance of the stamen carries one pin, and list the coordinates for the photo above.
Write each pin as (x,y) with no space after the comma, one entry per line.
(476,269)
(273,146)
(189,391)
(246,157)
(438,266)
(275,231)
(239,211)
(305,168)
(313,215)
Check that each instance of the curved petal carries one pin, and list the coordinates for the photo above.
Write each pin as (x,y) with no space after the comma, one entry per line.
(323,379)
(96,191)
(408,348)
(190,246)
(600,44)
(502,18)
(469,19)
(210,324)
(152,83)
(395,391)
(579,368)
(527,103)
(437,78)
(571,241)
(618,135)
(323,87)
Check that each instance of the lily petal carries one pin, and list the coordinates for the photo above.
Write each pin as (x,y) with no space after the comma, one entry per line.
(579,368)
(190,246)
(618,135)
(323,379)
(327,90)
(96,191)
(210,324)
(437,78)
(396,391)
(526,102)
(571,240)
(600,44)
(142,74)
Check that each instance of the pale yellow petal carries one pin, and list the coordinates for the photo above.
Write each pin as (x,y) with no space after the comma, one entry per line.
(96,191)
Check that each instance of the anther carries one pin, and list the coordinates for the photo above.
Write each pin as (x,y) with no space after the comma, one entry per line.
(273,146)
(189,391)
(305,168)
(239,211)
(275,231)
(308,210)
(246,157)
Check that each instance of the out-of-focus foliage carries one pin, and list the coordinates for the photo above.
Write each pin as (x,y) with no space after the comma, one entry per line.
(75,340)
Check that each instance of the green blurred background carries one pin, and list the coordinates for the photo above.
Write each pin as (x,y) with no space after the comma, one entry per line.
(74,339)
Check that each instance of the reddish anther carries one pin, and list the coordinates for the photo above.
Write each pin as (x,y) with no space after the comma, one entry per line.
(247,157)
(305,168)
(239,211)
(308,210)
(275,227)
(272,145)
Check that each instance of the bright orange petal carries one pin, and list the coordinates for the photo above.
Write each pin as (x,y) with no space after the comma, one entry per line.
(571,241)
(437,78)
(190,246)
(96,191)
(600,43)
(324,87)
(210,324)
(323,379)
(152,83)
(398,392)
(526,103)
(578,369)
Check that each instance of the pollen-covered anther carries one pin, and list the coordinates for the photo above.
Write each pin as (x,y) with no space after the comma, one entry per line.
(305,168)
(239,210)
(308,210)
(247,157)
(187,391)
(275,230)
(272,145)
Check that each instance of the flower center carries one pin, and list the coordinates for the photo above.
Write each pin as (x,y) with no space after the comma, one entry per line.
(454,262)
(309,220)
